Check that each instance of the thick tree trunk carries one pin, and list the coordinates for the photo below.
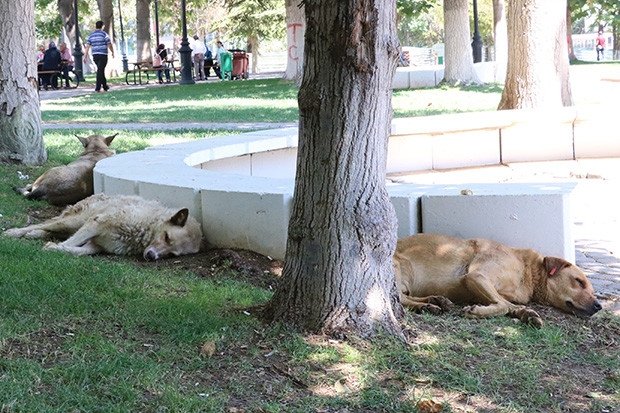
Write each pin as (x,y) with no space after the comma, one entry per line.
(500,38)
(338,277)
(295,34)
(459,60)
(143,31)
(538,66)
(106,14)
(21,139)
(65,8)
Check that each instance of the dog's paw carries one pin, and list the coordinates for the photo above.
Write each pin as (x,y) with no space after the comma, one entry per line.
(51,246)
(470,311)
(14,232)
(532,318)
(431,309)
(442,302)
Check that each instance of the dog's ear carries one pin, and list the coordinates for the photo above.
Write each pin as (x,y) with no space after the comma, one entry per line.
(108,140)
(84,141)
(180,218)
(554,264)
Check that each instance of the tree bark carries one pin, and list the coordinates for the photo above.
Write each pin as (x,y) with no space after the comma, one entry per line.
(569,35)
(500,38)
(21,139)
(65,8)
(106,14)
(459,60)
(338,277)
(143,31)
(616,49)
(295,34)
(538,75)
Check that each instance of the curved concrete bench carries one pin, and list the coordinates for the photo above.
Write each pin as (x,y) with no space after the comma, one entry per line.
(240,187)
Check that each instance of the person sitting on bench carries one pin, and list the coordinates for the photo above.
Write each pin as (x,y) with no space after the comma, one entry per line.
(51,61)
(66,62)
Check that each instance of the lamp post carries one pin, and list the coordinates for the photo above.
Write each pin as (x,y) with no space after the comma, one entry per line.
(156,24)
(186,52)
(77,49)
(476,45)
(123,45)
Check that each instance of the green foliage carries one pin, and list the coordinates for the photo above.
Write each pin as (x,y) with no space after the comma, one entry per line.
(47,21)
(260,19)
(606,12)
(414,8)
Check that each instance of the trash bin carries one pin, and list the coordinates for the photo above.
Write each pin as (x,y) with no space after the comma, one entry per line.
(226,65)
(240,62)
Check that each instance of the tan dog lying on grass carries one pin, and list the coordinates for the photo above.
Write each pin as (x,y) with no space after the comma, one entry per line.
(122,225)
(68,184)
(433,270)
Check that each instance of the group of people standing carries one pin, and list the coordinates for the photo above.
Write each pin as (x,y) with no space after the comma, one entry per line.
(203,58)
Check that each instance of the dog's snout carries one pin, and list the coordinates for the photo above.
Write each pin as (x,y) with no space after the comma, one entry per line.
(150,255)
(596,306)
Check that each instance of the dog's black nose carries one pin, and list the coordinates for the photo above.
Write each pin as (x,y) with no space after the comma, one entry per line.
(150,255)
(597,306)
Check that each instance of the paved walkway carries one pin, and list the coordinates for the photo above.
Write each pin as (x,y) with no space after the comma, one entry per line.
(595,201)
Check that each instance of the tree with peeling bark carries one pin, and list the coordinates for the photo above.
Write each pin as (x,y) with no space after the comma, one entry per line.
(339,277)
(459,60)
(538,67)
(21,138)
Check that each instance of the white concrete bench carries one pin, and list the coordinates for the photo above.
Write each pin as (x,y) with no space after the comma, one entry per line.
(241,187)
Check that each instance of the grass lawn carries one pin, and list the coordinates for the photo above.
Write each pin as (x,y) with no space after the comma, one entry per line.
(113,334)
(273,100)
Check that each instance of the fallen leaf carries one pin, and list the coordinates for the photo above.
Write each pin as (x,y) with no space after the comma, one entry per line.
(341,388)
(429,406)
(208,349)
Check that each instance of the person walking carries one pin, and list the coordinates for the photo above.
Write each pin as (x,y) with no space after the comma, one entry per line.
(100,43)
(600,46)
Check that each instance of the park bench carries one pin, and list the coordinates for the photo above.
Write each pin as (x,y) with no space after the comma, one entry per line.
(140,70)
(57,74)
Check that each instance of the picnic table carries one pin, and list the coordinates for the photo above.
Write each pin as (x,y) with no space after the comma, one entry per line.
(140,73)
(58,74)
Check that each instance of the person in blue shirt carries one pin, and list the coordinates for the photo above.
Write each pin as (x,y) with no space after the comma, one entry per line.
(100,43)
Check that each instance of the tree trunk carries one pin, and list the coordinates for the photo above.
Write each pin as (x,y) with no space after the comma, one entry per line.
(21,139)
(295,34)
(537,74)
(500,38)
(65,8)
(106,14)
(459,60)
(143,31)
(616,49)
(253,45)
(338,277)
(569,35)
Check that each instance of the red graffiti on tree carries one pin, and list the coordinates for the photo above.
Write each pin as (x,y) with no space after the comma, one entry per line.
(292,50)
